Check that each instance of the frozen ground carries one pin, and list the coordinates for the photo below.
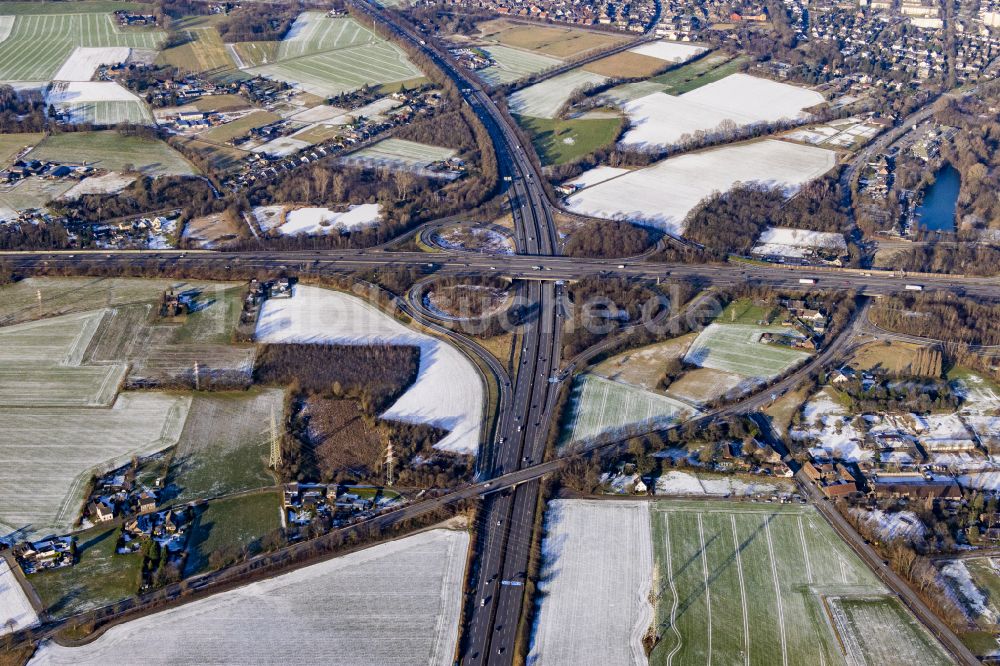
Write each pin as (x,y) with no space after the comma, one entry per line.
(878,630)
(16,612)
(596,175)
(283,146)
(597,565)
(109,183)
(395,603)
(662,195)
(660,119)
(545,99)
(447,393)
(323,220)
(669,51)
(75,92)
(981,409)
(737,348)
(84,61)
(900,525)
(830,428)
(676,482)
(796,243)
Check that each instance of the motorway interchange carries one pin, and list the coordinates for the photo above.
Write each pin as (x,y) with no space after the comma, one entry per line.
(512,462)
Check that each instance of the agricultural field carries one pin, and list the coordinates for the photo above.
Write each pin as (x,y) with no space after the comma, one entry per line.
(107,112)
(100,577)
(41,364)
(898,358)
(558,42)
(562,141)
(204,52)
(713,67)
(39,44)
(702,385)
(597,579)
(512,65)
(546,99)
(53,450)
(33,192)
(112,151)
(676,482)
(401,155)
(12,144)
(224,446)
(644,60)
(253,54)
(230,525)
(84,62)
(448,391)
(220,157)
(736,348)
(663,119)
(643,367)
(975,584)
(109,183)
(749,583)
(16,611)
(662,195)
(229,131)
(212,230)
(395,603)
(601,406)
(328,56)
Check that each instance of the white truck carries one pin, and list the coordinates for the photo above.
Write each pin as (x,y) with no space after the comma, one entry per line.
(914,287)
(807,281)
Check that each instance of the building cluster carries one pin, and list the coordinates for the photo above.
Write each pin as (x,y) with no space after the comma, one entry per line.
(625,15)
(306,504)
(127,18)
(49,553)
(118,494)
(25,168)
(167,528)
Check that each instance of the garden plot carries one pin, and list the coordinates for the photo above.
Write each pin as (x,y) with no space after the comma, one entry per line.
(737,348)
(315,32)
(675,482)
(797,243)
(747,584)
(53,450)
(224,446)
(448,391)
(601,406)
(39,46)
(397,603)
(878,630)
(662,195)
(661,119)
(40,364)
(16,611)
(401,155)
(546,99)
(343,70)
(597,566)
(830,427)
(511,65)
(112,151)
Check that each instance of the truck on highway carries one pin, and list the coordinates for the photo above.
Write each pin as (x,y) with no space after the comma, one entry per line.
(807,281)
(914,287)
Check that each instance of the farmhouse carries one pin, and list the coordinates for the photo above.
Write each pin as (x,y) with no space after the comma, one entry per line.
(52,553)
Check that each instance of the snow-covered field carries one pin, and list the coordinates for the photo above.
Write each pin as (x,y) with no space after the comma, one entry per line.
(16,612)
(660,119)
(796,243)
(737,348)
(676,482)
(395,603)
(109,183)
(669,51)
(899,525)
(75,92)
(84,61)
(964,587)
(662,195)
(543,100)
(596,175)
(981,409)
(447,393)
(283,146)
(830,427)
(596,580)
(324,220)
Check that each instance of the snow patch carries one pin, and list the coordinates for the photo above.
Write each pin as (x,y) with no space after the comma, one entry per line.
(323,220)
(75,92)
(109,183)
(84,61)
(668,51)
(16,612)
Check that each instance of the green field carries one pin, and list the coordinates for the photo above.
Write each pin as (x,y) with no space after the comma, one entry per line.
(32,192)
(744,311)
(746,584)
(15,8)
(100,577)
(11,144)
(735,348)
(205,52)
(546,98)
(231,525)
(696,74)
(112,151)
(39,44)
(237,128)
(224,446)
(562,141)
(513,64)
(602,406)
